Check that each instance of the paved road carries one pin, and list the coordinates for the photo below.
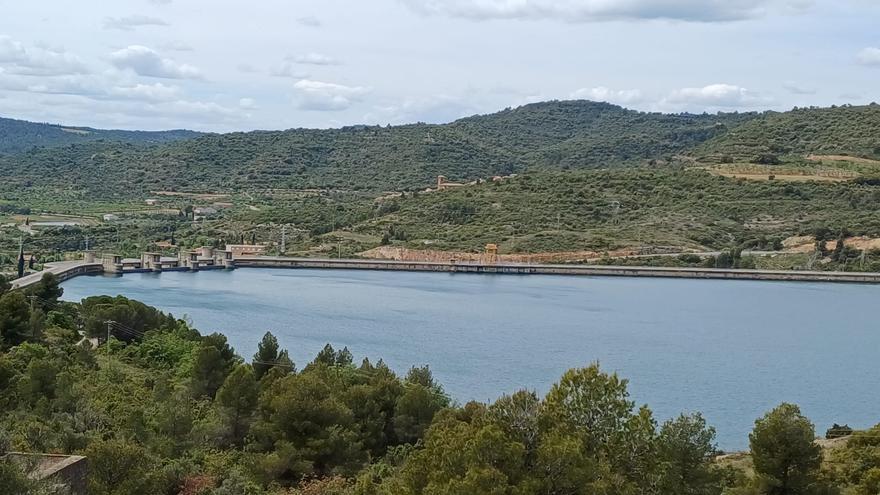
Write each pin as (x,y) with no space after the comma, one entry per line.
(56,268)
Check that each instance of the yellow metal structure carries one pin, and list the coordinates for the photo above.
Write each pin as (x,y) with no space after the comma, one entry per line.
(490,257)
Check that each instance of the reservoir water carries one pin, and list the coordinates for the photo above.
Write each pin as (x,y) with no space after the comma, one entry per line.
(730,349)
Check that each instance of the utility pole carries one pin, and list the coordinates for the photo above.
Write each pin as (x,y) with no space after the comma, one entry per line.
(615,209)
(20,256)
(109,362)
(283,239)
(34,332)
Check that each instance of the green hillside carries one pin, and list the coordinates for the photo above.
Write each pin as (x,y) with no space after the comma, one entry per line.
(790,136)
(609,209)
(587,177)
(19,135)
(569,134)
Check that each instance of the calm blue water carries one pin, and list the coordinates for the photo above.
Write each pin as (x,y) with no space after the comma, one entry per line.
(729,349)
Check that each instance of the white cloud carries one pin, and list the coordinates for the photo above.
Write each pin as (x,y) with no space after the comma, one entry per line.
(432,109)
(106,86)
(247,103)
(177,46)
(37,61)
(796,89)
(132,22)
(713,97)
(314,59)
(324,96)
(870,56)
(288,68)
(247,68)
(309,21)
(601,93)
(598,10)
(147,62)
(157,92)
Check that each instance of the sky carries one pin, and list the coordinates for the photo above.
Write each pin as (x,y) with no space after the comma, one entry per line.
(233,65)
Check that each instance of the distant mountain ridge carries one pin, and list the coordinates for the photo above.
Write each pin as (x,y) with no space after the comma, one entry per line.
(554,135)
(17,136)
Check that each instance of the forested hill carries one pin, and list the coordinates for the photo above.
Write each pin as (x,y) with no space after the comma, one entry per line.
(851,130)
(567,134)
(552,135)
(19,135)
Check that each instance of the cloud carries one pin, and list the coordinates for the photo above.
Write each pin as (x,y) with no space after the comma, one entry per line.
(59,85)
(314,59)
(247,103)
(160,2)
(601,93)
(796,89)
(870,56)
(439,108)
(157,92)
(107,86)
(288,68)
(132,22)
(324,96)
(309,21)
(38,61)
(246,68)
(713,97)
(147,62)
(598,10)
(176,46)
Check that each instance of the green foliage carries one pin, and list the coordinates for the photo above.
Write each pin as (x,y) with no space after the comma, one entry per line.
(838,431)
(784,452)
(790,136)
(559,134)
(46,292)
(269,357)
(131,319)
(18,135)
(117,467)
(668,208)
(686,445)
(14,319)
(12,480)
(237,401)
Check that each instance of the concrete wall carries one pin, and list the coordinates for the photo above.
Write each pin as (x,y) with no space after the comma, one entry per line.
(584,270)
(68,270)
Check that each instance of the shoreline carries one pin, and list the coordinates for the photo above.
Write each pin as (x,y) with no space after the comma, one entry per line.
(70,269)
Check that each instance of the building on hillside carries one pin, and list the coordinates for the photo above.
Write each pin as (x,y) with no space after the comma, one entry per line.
(443,184)
(204,211)
(239,250)
(64,473)
(109,217)
(151,202)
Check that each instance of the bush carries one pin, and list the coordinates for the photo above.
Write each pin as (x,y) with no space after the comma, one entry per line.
(838,431)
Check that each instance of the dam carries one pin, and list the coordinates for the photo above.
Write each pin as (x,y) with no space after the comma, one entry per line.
(209,259)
